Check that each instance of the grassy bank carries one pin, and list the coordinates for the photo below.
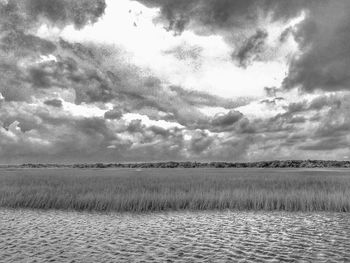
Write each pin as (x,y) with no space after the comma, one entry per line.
(176,189)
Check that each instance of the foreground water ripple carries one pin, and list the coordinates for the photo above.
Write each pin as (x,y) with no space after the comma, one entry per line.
(57,236)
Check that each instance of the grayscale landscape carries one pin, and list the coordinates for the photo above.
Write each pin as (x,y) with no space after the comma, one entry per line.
(174,131)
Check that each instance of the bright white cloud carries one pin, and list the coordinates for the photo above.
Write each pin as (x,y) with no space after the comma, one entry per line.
(148,122)
(129,25)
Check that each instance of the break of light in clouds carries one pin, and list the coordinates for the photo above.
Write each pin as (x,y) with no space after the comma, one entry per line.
(189,60)
(149,80)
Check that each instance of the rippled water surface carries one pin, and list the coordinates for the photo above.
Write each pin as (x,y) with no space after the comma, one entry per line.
(44,236)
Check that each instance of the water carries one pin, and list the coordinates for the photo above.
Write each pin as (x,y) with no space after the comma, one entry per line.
(44,236)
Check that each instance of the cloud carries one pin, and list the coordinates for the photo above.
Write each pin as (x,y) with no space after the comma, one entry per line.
(22,44)
(200,142)
(216,15)
(78,12)
(251,49)
(225,120)
(54,103)
(113,114)
(198,98)
(186,52)
(83,101)
(326,144)
(23,70)
(35,132)
(297,119)
(20,14)
(323,38)
(326,101)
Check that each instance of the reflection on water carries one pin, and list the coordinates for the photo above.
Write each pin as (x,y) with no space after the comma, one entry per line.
(43,236)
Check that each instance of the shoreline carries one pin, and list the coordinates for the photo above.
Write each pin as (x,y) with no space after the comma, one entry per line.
(165,212)
(185,164)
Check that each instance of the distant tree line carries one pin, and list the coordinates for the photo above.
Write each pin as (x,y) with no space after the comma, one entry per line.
(261,164)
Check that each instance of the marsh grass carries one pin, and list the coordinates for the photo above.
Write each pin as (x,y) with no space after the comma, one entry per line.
(176,189)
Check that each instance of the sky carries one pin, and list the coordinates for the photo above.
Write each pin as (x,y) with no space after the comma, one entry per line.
(181,80)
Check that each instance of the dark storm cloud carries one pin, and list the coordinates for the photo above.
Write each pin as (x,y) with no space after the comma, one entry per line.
(323,38)
(68,70)
(225,120)
(321,124)
(12,86)
(327,144)
(19,18)
(200,142)
(236,148)
(54,103)
(40,77)
(278,124)
(113,114)
(208,15)
(294,139)
(94,127)
(78,12)
(159,131)
(318,103)
(22,14)
(20,74)
(326,101)
(332,128)
(90,84)
(18,51)
(22,44)
(297,119)
(251,48)
(25,118)
(296,107)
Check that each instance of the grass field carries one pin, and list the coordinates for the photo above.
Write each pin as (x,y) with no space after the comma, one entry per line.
(176,189)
